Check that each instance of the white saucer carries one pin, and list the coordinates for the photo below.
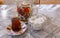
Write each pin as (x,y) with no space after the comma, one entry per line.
(24,28)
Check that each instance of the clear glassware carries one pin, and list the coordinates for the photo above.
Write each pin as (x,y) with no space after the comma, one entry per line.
(7,13)
(24,9)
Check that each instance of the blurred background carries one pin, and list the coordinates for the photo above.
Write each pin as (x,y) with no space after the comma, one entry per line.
(12,1)
(35,1)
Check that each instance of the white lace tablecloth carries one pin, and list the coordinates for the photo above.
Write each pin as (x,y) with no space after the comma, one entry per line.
(51,11)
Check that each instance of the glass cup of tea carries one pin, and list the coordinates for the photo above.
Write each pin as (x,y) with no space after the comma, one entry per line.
(16,24)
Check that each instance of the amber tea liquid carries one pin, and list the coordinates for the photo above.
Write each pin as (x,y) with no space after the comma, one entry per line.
(16,24)
(24,11)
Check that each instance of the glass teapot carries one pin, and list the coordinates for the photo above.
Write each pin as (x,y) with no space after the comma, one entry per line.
(24,9)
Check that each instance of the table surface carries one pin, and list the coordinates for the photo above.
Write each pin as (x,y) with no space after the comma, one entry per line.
(5,18)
